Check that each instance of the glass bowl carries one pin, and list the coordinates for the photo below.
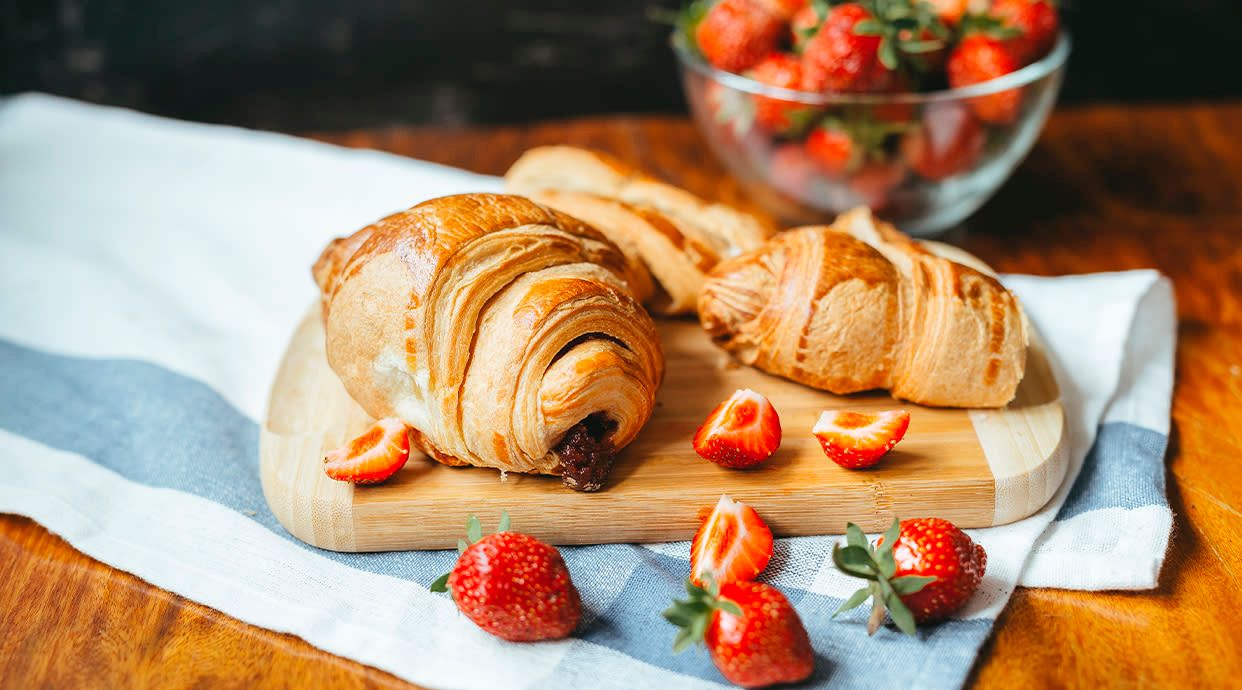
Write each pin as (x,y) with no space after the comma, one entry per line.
(930,159)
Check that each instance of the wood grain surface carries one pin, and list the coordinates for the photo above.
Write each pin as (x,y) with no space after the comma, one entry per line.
(1107,188)
(976,468)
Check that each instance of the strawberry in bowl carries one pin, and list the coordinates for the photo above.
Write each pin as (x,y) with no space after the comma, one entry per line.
(917,108)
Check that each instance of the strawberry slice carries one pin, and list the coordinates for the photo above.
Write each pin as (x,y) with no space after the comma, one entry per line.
(733,545)
(742,431)
(859,439)
(373,457)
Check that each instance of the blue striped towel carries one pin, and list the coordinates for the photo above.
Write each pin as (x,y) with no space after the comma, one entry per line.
(150,274)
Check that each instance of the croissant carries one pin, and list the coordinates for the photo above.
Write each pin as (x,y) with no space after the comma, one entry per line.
(675,235)
(858,306)
(502,332)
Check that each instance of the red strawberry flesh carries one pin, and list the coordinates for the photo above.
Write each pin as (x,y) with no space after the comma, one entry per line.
(733,544)
(373,456)
(741,432)
(855,439)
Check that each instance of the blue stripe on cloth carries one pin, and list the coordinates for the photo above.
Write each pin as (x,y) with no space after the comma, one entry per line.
(162,429)
(1125,469)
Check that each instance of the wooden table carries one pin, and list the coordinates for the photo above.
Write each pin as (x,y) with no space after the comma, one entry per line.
(1107,188)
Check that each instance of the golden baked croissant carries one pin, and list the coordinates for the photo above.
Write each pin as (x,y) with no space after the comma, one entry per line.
(858,305)
(677,236)
(502,332)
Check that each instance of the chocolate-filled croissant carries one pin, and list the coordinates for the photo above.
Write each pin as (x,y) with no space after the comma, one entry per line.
(504,333)
(858,306)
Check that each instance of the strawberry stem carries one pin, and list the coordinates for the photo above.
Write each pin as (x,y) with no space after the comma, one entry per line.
(694,613)
(877,564)
(474,532)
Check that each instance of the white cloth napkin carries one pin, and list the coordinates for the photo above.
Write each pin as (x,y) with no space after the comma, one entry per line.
(151,272)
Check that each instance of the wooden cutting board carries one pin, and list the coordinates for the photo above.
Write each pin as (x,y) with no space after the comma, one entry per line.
(974,467)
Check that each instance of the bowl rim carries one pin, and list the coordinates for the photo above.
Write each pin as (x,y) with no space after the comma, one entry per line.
(1053,61)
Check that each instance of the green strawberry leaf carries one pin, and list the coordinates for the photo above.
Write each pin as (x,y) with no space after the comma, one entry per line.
(685,638)
(921,46)
(462,546)
(504,522)
(854,535)
(900,614)
(728,607)
(856,599)
(869,27)
(888,565)
(854,560)
(888,53)
(440,584)
(891,535)
(474,529)
(909,584)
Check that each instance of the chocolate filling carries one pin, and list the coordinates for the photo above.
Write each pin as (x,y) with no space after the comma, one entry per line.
(586,453)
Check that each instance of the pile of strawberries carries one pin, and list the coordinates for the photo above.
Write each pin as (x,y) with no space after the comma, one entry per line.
(869,47)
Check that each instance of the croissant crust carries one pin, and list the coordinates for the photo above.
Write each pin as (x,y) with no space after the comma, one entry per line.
(858,306)
(494,327)
(672,234)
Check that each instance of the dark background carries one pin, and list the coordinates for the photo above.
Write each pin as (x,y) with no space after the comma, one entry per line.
(322,65)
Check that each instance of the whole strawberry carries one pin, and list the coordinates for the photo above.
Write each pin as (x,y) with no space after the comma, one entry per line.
(784,71)
(512,585)
(979,58)
(920,570)
(837,58)
(1035,20)
(734,35)
(947,142)
(950,11)
(833,149)
(752,632)
(863,46)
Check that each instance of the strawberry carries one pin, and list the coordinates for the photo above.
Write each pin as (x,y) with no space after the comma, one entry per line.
(859,439)
(784,9)
(791,170)
(736,34)
(1037,21)
(858,50)
(512,585)
(833,149)
(784,71)
(874,182)
(949,11)
(838,59)
(948,142)
(741,432)
(751,631)
(372,457)
(732,545)
(920,570)
(979,58)
(805,22)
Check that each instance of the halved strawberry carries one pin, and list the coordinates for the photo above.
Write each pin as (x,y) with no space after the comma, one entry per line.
(858,439)
(734,544)
(742,431)
(373,457)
